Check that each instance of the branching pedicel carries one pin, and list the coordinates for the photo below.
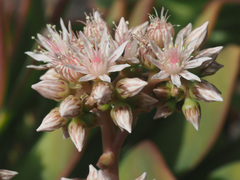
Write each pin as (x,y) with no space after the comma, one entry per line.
(153,71)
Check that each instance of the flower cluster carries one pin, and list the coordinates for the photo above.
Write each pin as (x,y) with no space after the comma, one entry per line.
(136,70)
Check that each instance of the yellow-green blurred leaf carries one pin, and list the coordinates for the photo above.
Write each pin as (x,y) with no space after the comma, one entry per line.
(48,158)
(196,144)
(226,172)
(144,158)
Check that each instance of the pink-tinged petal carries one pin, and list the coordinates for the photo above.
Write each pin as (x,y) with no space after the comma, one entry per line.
(176,80)
(210,52)
(182,35)
(80,69)
(50,74)
(140,29)
(101,92)
(196,62)
(117,53)
(87,45)
(157,51)
(105,78)
(168,43)
(104,41)
(121,31)
(189,76)
(154,61)
(118,67)
(38,57)
(161,75)
(64,30)
(87,77)
(198,34)
(40,67)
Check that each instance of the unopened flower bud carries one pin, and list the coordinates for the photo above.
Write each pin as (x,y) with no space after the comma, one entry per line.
(77,132)
(122,116)
(163,91)
(63,178)
(211,69)
(52,121)
(94,26)
(70,107)
(50,75)
(7,174)
(52,89)
(205,91)
(101,92)
(129,87)
(165,109)
(145,102)
(91,120)
(142,177)
(96,174)
(192,112)
(177,93)
(144,52)
(106,160)
(158,29)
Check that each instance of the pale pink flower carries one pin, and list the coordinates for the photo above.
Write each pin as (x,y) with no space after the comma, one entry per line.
(122,116)
(52,121)
(142,177)
(122,34)
(77,132)
(7,174)
(96,174)
(97,63)
(55,52)
(174,60)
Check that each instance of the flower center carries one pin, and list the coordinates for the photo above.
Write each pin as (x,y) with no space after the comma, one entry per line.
(173,63)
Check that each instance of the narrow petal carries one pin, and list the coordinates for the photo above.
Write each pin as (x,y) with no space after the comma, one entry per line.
(189,76)
(87,45)
(154,61)
(196,62)
(157,51)
(117,53)
(119,67)
(41,67)
(182,35)
(104,40)
(38,57)
(140,28)
(64,30)
(80,69)
(161,75)
(105,78)
(176,80)
(88,77)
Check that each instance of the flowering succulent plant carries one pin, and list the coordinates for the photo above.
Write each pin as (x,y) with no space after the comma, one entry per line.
(104,81)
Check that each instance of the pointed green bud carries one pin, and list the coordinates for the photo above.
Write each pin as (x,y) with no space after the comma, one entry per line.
(192,112)
(163,91)
(90,120)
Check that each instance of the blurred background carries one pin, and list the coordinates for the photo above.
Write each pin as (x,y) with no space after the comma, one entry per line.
(165,148)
